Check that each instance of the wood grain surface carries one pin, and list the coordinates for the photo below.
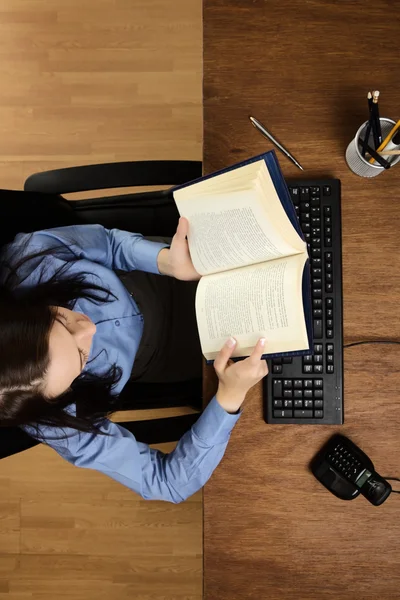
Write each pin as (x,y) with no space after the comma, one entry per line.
(304,69)
(83,82)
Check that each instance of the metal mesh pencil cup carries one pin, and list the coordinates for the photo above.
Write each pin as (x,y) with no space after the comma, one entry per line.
(360,165)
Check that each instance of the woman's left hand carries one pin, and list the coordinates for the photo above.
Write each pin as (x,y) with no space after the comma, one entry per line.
(176,261)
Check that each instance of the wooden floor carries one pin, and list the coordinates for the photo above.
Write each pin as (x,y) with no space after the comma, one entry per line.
(87,81)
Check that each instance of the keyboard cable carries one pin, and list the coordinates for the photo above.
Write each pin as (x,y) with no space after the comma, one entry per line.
(377,342)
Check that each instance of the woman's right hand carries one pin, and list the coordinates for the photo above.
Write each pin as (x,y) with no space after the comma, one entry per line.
(236,378)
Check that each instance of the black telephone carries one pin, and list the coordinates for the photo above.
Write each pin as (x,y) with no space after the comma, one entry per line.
(346,471)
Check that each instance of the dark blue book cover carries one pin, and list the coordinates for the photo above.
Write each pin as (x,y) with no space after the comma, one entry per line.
(282,191)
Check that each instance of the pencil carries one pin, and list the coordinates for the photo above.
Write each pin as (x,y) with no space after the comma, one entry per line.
(369,96)
(389,152)
(376,124)
(387,139)
(384,163)
(368,132)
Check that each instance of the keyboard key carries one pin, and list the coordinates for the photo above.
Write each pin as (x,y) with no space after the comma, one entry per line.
(298,403)
(328,256)
(288,403)
(298,384)
(283,414)
(277,388)
(318,348)
(316,242)
(318,393)
(315,252)
(316,272)
(317,293)
(294,192)
(328,242)
(318,414)
(304,207)
(277,369)
(298,394)
(329,369)
(308,383)
(328,231)
(288,393)
(307,369)
(328,277)
(318,359)
(304,193)
(287,384)
(318,328)
(318,383)
(317,283)
(329,288)
(317,313)
(308,359)
(318,403)
(329,333)
(303,414)
(278,403)
(317,303)
(308,403)
(329,303)
(329,313)
(329,323)
(308,394)
(326,190)
(327,210)
(315,190)
(287,360)
(315,211)
(318,369)
(329,348)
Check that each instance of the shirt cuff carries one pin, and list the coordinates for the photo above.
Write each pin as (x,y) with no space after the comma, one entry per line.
(214,426)
(146,253)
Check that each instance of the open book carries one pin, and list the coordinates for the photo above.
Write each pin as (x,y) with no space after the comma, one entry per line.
(244,239)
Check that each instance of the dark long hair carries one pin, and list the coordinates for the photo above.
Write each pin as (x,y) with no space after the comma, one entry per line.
(26,317)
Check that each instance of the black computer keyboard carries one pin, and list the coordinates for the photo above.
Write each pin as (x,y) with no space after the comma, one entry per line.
(309,389)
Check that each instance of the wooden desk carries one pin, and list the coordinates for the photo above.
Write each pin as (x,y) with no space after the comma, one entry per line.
(304,68)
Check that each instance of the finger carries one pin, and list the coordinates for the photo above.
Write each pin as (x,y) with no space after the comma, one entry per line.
(182,229)
(258,351)
(224,354)
(264,368)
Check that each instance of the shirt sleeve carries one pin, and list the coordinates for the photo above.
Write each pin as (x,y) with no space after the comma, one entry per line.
(113,248)
(152,474)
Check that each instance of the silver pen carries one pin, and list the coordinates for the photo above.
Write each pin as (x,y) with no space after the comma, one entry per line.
(267,134)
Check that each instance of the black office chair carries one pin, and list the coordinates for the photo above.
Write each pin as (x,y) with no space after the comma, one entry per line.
(41,206)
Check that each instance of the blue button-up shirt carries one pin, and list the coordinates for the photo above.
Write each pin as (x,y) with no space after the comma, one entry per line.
(150,473)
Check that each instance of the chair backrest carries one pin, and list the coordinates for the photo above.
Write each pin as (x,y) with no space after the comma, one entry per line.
(147,213)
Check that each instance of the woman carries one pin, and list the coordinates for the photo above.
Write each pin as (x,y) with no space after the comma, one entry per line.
(73,332)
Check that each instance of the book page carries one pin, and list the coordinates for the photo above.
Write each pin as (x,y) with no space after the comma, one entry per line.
(236,219)
(263,300)
(227,231)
